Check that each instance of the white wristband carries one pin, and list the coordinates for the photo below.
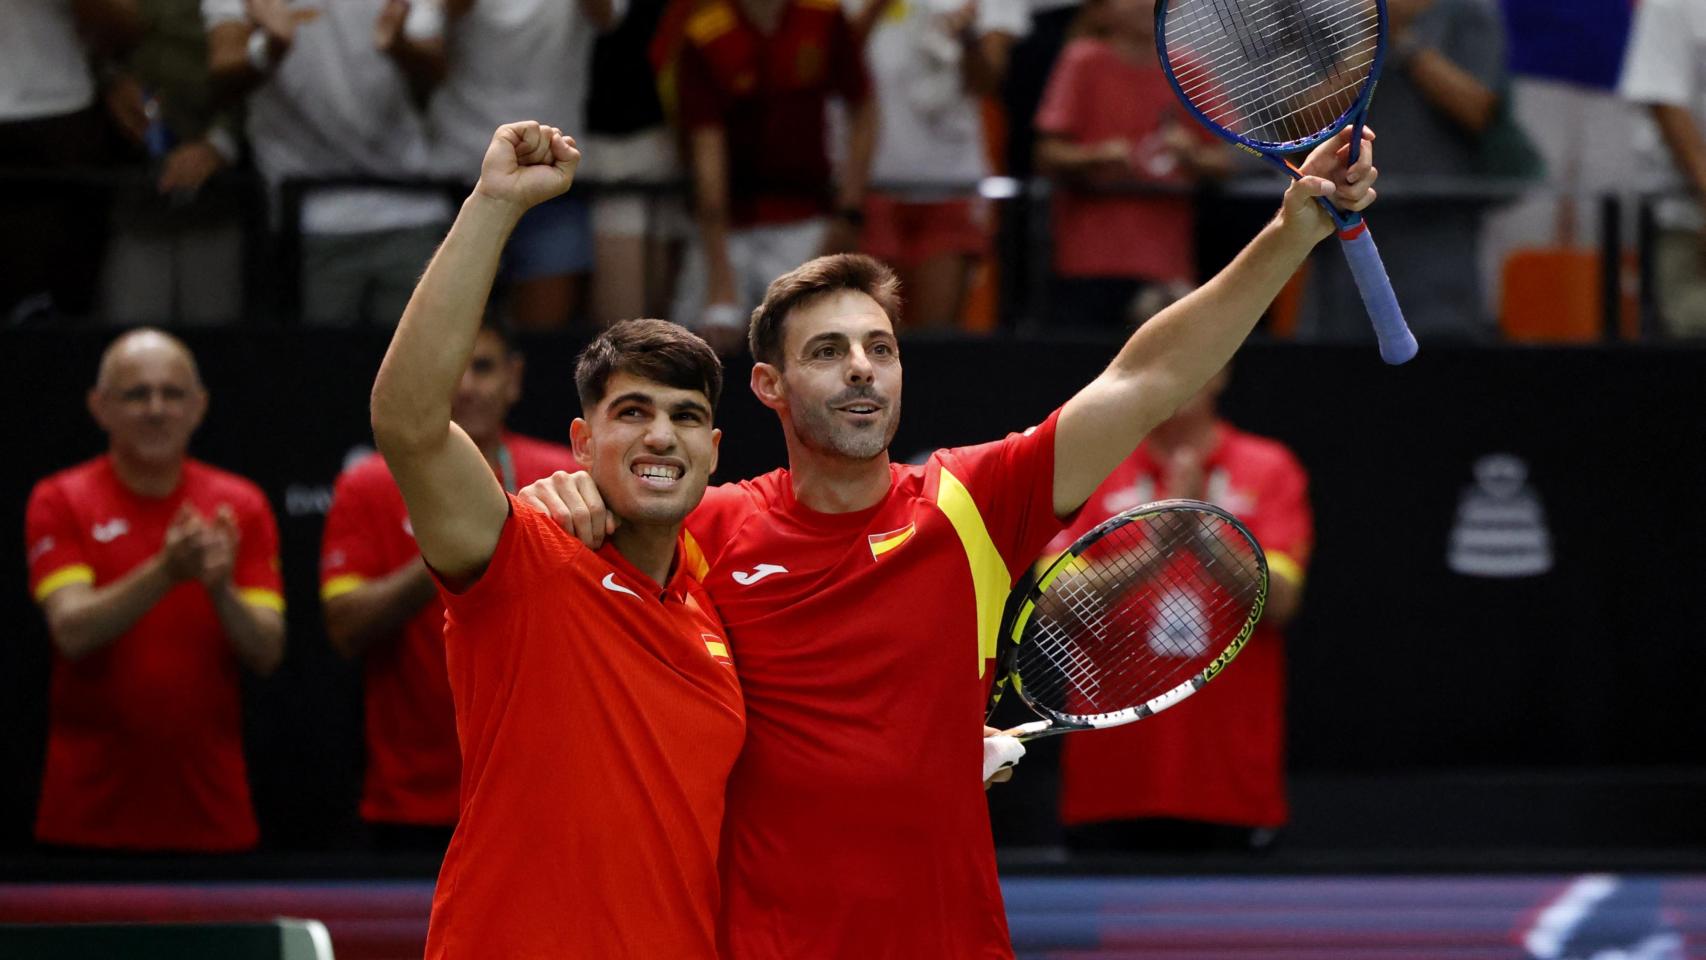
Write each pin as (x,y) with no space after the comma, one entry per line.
(260,53)
(1000,752)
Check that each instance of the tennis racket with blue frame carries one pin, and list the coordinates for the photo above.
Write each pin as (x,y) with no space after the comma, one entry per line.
(1278,77)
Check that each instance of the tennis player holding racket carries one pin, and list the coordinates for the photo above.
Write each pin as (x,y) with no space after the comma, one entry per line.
(864,596)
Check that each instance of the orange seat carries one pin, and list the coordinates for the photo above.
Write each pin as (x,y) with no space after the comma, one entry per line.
(1552,295)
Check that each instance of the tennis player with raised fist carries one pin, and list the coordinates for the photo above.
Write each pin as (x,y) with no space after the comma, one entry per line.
(596,702)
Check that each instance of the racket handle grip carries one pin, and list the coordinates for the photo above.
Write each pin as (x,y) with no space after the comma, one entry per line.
(1397,344)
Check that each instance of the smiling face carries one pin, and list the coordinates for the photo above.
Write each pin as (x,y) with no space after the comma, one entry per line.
(149,398)
(839,383)
(488,389)
(650,448)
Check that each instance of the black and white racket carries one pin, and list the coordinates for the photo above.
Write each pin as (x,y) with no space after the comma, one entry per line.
(1135,616)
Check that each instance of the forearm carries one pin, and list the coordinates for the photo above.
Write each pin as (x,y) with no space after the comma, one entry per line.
(600,13)
(985,63)
(424,64)
(1168,359)
(87,620)
(1686,142)
(861,146)
(1452,90)
(379,609)
(1284,599)
(110,27)
(256,633)
(435,338)
(711,211)
(1059,157)
(231,72)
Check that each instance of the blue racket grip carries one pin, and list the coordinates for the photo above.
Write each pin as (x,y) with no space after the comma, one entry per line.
(1397,344)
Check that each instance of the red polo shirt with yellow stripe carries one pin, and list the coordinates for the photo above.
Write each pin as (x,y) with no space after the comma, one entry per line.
(599,715)
(145,738)
(1218,757)
(857,825)
(413,763)
(768,93)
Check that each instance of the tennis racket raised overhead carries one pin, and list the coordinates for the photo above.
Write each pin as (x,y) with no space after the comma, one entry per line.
(1281,76)
(1134,617)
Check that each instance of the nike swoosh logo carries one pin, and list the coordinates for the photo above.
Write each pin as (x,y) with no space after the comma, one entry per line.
(747,579)
(610,584)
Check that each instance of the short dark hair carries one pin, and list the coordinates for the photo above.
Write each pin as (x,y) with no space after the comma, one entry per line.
(656,350)
(812,281)
(497,321)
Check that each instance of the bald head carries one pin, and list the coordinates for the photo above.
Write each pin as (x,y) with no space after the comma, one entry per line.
(146,346)
(148,397)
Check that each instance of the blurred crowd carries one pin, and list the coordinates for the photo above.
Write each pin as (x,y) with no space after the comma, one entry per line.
(181,161)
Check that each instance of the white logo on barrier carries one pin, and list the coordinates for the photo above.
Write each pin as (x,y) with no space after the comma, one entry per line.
(1500,530)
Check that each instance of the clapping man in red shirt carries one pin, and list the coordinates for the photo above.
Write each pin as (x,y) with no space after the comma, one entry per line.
(596,701)
(159,578)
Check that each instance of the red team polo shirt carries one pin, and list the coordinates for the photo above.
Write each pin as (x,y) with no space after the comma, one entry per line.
(769,93)
(857,824)
(599,716)
(413,763)
(1218,757)
(145,736)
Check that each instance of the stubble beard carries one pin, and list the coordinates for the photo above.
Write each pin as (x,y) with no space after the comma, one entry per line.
(821,429)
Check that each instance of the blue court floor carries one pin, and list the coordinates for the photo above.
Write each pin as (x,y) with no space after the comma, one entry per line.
(1459,917)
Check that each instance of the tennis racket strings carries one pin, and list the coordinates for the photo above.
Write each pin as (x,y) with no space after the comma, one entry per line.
(1274,71)
(1138,613)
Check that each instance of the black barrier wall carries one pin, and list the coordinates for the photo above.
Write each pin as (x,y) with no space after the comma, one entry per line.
(1506,575)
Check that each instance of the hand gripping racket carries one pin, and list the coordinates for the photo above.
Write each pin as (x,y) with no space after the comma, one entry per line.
(1135,616)
(1281,76)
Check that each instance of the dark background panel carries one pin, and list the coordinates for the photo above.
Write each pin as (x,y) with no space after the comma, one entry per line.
(1402,672)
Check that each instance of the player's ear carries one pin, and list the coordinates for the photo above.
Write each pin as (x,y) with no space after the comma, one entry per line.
(767,385)
(97,407)
(580,440)
(517,370)
(716,446)
(198,406)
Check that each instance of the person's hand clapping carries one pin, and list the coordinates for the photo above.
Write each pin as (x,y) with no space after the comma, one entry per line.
(526,164)
(219,550)
(185,544)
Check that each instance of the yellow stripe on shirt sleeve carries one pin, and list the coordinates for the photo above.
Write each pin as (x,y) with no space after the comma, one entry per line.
(1284,566)
(340,585)
(64,577)
(262,597)
(989,576)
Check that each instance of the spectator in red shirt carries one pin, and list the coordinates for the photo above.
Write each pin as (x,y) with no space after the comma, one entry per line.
(381,604)
(752,80)
(1210,773)
(596,700)
(159,578)
(1108,121)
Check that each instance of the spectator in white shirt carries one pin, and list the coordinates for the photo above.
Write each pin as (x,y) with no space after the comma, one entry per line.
(1665,70)
(931,61)
(51,238)
(523,60)
(333,89)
